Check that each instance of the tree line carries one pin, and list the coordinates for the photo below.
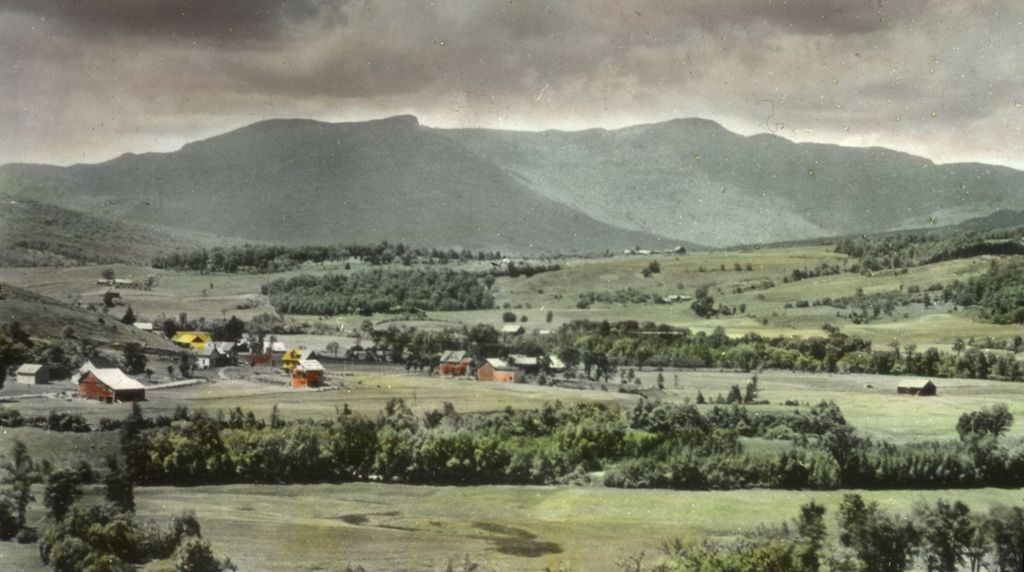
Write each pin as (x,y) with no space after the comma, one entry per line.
(260,259)
(655,445)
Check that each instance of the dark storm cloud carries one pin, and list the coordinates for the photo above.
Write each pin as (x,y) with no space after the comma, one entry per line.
(223,21)
(91,78)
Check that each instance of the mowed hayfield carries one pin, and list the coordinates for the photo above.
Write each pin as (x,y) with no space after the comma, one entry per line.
(398,527)
(528,528)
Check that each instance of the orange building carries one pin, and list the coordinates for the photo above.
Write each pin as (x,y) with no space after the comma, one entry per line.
(308,373)
(454,362)
(496,369)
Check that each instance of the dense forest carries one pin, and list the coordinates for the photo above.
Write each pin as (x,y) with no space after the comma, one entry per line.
(999,292)
(380,290)
(908,249)
(257,259)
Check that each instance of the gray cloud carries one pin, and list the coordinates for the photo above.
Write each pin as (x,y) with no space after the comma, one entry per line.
(93,78)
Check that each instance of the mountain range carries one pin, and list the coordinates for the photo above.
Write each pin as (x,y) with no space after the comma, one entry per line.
(687,181)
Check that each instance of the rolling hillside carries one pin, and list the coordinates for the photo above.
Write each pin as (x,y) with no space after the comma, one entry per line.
(41,234)
(46,319)
(690,180)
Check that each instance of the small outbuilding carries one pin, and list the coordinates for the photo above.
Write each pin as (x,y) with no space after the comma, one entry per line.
(110,385)
(513,330)
(32,374)
(308,373)
(918,387)
(497,369)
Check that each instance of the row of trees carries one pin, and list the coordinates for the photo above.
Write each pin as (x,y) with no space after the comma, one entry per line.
(655,445)
(262,258)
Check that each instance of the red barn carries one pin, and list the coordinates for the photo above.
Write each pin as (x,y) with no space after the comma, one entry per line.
(454,362)
(309,373)
(110,385)
(495,369)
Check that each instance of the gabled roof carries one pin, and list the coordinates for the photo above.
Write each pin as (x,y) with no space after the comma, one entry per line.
(29,369)
(310,365)
(274,347)
(453,356)
(915,383)
(498,363)
(555,362)
(224,347)
(522,359)
(97,362)
(189,337)
(115,379)
(308,354)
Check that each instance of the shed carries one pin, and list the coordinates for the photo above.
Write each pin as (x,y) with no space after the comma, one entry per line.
(32,374)
(308,373)
(110,385)
(144,326)
(497,369)
(454,362)
(919,387)
(513,330)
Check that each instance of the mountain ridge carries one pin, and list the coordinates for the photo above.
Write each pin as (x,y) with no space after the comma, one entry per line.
(687,180)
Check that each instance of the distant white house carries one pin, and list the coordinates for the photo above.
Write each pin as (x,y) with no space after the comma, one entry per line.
(144,326)
(32,374)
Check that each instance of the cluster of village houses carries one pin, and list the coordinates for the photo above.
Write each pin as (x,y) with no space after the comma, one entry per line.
(102,379)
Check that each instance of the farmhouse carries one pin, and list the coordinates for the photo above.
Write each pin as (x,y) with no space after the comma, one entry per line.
(454,362)
(497,369)
(32,374)
(110,385)
(274,347)
(194,340)
(292,357)
(308,373)
(214,355)
(919,387)
(526,363)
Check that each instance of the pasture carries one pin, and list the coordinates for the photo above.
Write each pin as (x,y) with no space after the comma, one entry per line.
(325,527)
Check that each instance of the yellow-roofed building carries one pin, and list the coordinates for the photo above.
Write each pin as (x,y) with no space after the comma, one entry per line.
(194,340)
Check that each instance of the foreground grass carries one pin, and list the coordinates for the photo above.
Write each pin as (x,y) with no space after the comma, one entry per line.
(397,527)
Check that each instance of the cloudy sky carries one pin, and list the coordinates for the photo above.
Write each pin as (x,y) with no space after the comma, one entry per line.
(86,80)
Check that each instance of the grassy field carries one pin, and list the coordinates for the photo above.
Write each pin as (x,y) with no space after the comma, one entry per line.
(397,527)
(869,402)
